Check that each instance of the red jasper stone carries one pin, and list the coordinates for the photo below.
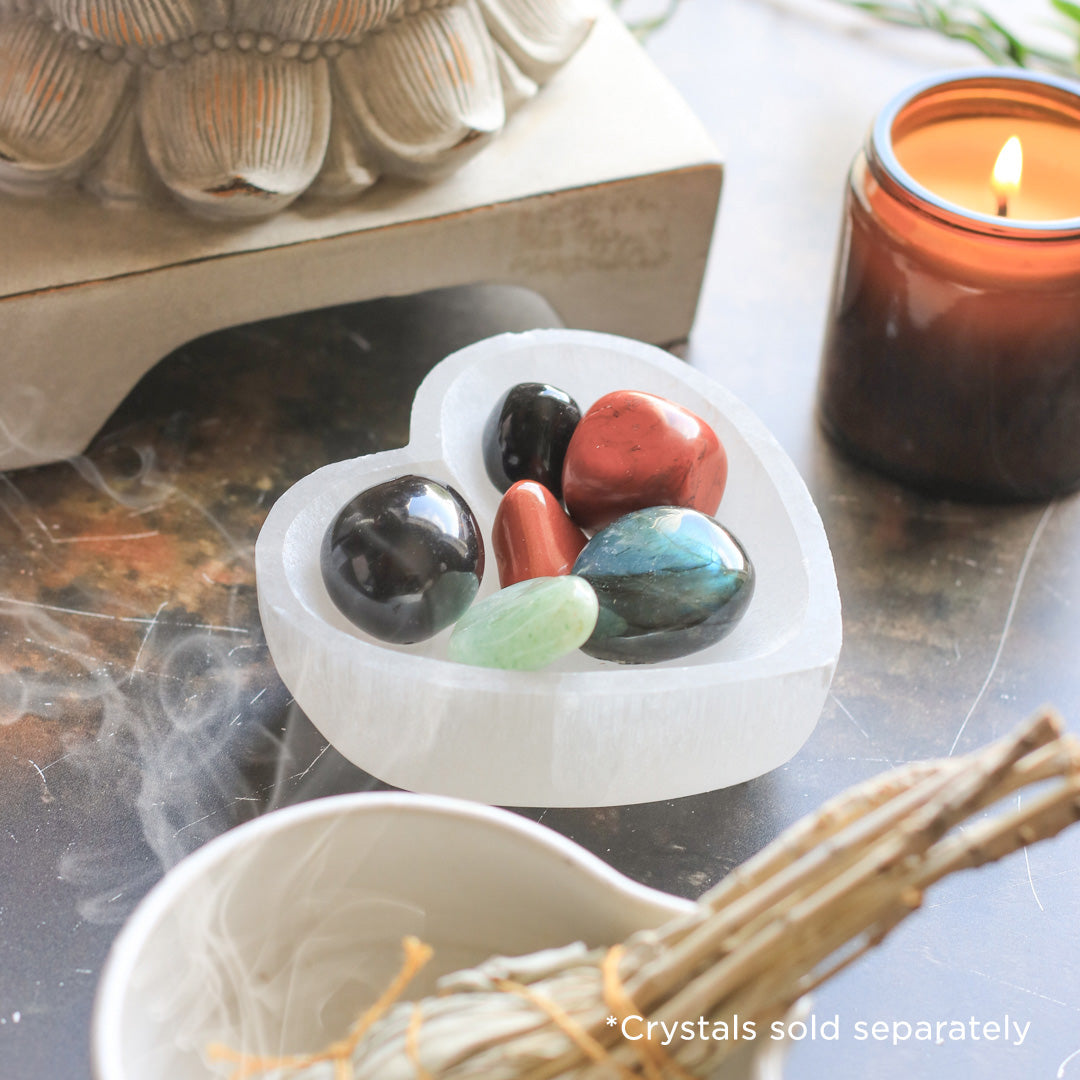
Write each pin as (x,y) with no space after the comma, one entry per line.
(634,450)
(532,536)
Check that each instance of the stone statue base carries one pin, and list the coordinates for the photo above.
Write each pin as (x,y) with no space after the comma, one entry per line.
(601,196)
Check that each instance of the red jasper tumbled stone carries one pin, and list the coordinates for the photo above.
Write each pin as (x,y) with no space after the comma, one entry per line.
(632,450)
(532,536)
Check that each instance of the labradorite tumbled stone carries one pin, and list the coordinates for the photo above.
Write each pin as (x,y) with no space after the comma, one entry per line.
(526,626)
(526,436)
(670,581)
(403,559)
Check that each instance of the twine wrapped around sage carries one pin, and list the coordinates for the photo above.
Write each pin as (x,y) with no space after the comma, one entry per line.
(806,906)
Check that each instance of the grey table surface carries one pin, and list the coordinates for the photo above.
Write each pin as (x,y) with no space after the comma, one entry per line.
(140,715)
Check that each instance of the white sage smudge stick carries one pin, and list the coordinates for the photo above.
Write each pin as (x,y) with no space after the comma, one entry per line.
(809,904)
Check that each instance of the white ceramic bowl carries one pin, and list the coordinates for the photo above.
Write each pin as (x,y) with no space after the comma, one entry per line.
(276,935)
(583,732)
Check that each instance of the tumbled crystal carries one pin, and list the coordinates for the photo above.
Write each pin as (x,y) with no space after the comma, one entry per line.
(670,581)
(526,436)
(633,450)
(532,536)
(526,626)
(403,559)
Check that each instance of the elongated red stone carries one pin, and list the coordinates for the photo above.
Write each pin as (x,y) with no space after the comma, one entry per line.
(532,536)
(634,450)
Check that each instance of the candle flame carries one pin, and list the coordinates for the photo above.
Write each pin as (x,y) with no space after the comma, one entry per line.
(1007,169)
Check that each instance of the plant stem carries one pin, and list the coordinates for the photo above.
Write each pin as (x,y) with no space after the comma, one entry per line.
(644,27)
(977,26)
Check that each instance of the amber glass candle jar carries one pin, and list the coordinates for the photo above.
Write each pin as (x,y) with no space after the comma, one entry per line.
(952,351)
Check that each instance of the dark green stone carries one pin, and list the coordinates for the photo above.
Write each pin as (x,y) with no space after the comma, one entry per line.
(670,581)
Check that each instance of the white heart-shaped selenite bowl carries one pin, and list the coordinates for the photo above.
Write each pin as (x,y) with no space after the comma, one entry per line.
(273,938)
(583,732)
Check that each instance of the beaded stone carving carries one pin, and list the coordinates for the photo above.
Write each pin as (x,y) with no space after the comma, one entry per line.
(238,107)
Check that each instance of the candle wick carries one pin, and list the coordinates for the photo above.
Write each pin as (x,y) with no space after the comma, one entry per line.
(1003,206)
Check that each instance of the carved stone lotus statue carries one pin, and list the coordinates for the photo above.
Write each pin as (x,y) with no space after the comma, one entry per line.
(239,106)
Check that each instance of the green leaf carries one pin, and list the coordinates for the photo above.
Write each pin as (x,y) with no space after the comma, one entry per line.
(890,13)
(642,28)
(1015,47)
(1067,8)
(964,21)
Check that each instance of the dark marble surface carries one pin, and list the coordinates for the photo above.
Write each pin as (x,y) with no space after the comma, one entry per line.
(140,714)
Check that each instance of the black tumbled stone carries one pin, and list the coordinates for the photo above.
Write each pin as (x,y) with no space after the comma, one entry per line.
(404,559)
(526,436)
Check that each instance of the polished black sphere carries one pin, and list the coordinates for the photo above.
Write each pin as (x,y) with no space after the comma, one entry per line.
(526,436)
(404,559)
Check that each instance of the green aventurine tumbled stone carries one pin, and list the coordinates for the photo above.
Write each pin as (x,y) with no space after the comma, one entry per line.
(526,626)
